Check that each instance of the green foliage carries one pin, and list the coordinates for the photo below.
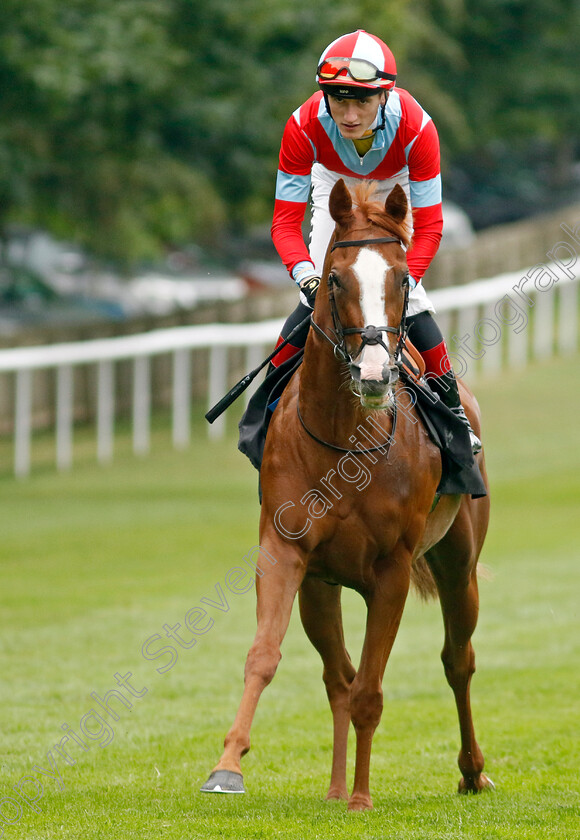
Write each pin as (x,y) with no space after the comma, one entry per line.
(509,70)
(80,142)
(141,124)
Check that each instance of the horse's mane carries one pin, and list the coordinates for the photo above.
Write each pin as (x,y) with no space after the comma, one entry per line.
(375,213)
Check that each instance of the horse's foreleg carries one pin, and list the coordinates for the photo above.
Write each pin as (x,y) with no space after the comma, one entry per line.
(385,608)
(455,570)
(321,616)
(276,589)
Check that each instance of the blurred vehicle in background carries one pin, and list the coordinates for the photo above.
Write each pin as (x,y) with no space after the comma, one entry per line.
(458,231)
(185,279)
(44,282)
(28,297)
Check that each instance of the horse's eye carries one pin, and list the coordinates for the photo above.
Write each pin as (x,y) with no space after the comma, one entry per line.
(333,280)
(406,281)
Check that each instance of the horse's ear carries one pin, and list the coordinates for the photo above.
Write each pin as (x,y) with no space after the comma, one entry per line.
(340,203)
(396,203)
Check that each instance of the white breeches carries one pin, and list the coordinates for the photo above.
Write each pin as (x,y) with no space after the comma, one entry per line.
(322,224)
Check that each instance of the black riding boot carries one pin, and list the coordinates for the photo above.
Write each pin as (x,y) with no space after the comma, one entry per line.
(445,386)
(427,337)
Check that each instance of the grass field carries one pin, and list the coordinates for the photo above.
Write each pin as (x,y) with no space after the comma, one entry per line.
(95,562)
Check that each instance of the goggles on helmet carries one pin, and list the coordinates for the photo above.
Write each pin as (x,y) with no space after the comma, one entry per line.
(357,68)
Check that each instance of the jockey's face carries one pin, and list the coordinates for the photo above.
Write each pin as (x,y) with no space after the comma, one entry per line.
(354,117)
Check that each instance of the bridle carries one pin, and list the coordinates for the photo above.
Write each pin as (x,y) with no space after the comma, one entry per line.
(369,334)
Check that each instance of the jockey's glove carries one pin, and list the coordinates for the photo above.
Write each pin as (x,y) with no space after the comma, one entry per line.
(309,287)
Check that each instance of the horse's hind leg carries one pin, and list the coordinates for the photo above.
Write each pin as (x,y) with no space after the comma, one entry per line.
(276,589)
(321,616)
(454,565)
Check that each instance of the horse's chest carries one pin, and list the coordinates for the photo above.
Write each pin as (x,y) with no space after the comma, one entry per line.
(354,533)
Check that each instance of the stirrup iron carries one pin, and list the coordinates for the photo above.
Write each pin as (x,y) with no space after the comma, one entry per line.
(476,445)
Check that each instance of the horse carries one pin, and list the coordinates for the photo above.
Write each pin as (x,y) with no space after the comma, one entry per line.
(349,484)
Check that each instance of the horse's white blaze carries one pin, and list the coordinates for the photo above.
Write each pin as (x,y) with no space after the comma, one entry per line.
(371,269)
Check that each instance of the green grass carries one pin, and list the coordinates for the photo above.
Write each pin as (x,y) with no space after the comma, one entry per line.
(96,561)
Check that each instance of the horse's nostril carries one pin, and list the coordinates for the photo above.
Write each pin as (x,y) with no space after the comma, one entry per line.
(355,372)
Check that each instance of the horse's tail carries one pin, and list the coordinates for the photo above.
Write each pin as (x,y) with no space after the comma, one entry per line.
(422,580)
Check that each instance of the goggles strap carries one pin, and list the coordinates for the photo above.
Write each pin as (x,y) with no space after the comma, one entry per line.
(337,65)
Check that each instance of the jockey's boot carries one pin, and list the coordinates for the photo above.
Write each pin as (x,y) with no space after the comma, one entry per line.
(425,334)
(445,386)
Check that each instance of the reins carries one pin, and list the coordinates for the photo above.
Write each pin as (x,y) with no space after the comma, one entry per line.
(369,334)
(385,447)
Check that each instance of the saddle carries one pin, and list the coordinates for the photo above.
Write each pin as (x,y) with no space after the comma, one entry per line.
(412,361)
(460,472)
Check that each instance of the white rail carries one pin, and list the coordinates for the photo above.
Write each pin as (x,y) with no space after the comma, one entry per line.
(488,324)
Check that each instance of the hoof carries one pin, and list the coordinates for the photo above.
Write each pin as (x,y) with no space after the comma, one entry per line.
(224,781)
(336,795)
(360,803)
(475,786)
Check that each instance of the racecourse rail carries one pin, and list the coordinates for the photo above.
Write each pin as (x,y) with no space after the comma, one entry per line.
(489,324)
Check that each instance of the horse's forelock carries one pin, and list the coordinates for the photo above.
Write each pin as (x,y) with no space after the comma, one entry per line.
(375,213)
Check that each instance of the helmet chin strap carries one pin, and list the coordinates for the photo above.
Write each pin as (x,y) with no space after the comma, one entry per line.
(383,108)
(382,111)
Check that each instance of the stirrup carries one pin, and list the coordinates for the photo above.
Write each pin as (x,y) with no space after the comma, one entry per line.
(476,445)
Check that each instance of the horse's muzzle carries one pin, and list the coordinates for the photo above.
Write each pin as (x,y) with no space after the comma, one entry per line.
(375,393)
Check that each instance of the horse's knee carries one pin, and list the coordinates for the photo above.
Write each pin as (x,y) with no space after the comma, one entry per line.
(366,708)
(262,662)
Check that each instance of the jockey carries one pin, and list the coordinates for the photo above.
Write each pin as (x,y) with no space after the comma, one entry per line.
(360,126)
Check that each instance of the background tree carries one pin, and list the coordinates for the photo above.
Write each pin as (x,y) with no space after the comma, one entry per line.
(133,126)
(81,118)
(512,69)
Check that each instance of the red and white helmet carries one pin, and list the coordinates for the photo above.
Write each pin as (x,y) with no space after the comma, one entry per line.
(356,61)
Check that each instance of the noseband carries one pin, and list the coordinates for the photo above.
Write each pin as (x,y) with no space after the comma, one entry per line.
(369,334)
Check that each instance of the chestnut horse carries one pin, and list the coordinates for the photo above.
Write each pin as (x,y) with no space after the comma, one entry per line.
(349,480)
